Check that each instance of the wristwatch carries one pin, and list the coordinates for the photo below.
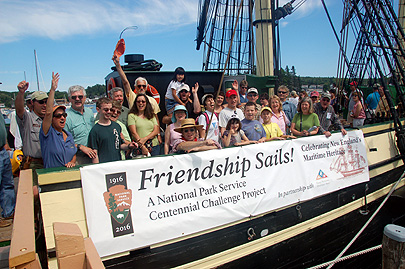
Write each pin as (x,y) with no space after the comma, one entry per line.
(78,146)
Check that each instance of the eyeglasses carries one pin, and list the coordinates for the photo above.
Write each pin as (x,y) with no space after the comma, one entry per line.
(326,100)
(41,102)
(141,101)
(282,92)
(141,86)
(191,130)
(116,111)
(252,95)
(243,87)
(74,97)
(108,109)
(58,116)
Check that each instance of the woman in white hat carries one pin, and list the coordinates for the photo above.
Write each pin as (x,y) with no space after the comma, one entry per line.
(189,140)
(179,114)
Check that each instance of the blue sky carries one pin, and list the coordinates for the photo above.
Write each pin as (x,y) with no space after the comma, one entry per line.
(77,38)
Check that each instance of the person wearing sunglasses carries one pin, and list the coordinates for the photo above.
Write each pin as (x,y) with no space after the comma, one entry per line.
(143,126)
(141,85)
(288,107)
(57,145)
(115,116)
(29,124)
(189,140)
(79,122)
(106,135)
(327,116)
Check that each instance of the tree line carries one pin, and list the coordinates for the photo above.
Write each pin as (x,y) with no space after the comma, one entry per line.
(289,78)
(7,98)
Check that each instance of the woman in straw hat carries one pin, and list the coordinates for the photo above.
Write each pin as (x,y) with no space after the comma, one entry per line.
(189,141)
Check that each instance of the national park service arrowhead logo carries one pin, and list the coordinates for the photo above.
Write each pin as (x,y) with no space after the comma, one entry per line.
(118,200)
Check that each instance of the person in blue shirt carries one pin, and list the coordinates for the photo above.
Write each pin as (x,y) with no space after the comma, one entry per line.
(288,107)
(57,145)
(373,98)
(252,128)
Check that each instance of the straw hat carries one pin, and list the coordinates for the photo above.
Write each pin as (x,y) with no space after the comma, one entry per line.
(188,123)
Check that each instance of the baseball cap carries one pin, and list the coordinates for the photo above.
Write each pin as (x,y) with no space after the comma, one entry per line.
(265,108)
(184,87)
(326,95)
(314,93)
(253,90)
(353,83)
(230,93)
(39,95)
(59,106)
(376,85)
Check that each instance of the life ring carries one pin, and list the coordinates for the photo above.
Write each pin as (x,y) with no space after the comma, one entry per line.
(110,84)
(152,90)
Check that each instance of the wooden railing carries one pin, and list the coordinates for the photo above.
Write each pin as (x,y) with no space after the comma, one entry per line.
(72,250)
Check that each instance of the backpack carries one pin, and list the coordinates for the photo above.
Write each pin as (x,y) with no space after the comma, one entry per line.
(207,118)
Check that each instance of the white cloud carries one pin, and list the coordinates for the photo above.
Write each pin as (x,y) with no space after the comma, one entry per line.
(58,19)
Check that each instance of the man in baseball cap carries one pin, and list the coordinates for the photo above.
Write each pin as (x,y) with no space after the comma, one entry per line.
(327,116)
(227,112)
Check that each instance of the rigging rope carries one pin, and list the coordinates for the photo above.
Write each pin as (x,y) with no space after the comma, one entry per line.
(369,220)
(356,254)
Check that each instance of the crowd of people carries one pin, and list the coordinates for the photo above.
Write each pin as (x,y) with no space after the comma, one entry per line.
(57,136)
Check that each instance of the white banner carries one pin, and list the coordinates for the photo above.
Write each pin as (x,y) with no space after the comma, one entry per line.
(133,204)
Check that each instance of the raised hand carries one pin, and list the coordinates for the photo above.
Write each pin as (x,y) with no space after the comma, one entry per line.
(23,86)
(195,88)
(55,81)
(116,59)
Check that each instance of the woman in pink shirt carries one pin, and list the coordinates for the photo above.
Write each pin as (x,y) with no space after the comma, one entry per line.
(357,113)
(278,115)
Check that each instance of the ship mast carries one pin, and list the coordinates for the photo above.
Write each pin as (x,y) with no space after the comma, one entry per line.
(36,67)
(265,29)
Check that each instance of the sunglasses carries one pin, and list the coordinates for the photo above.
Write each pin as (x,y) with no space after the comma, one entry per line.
(282,92)
(141,101)
(58,116)
(108,109)
(252,95)
(41,102)
(191,130)
(141,86)
(75,97)
(116,111)
(243,87)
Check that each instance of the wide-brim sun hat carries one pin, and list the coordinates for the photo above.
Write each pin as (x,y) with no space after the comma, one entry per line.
(188,123)
(177,108)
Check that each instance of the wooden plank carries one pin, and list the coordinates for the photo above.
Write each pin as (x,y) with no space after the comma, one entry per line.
(93,260)
(22,247)
(35,264)
(70,250)
(62,206)
(65,175)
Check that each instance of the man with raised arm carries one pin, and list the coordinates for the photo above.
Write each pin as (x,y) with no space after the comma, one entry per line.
(29,123)
(79,122)
(141,85)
